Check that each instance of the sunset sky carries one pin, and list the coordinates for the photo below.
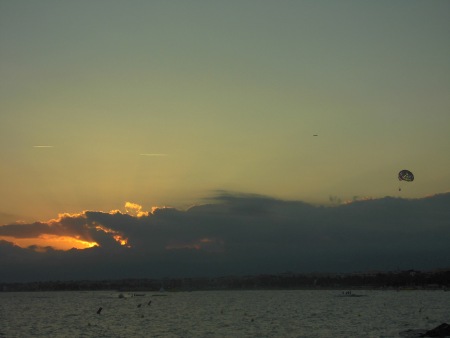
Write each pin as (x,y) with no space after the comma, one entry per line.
(121,108)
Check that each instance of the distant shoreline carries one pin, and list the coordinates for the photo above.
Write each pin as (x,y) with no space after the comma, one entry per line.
(399,280)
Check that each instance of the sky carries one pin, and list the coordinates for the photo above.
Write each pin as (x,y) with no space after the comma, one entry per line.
(139,111)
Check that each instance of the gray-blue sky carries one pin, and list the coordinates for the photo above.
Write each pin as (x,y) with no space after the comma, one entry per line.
(232,90)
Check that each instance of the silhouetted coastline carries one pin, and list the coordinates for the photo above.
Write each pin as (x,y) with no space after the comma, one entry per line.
(398,280)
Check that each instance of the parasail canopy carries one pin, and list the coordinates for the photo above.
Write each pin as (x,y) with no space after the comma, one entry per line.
(405,175)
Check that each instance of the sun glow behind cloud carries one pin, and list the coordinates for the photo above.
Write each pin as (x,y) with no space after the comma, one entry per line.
(54,241)
(118,237)
(72,230)
(135,209)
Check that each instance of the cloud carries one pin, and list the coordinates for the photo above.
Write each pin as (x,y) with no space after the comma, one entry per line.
(43,146)
(237,234)
(135,209)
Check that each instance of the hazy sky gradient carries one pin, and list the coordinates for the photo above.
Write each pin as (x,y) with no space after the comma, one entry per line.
(228,94)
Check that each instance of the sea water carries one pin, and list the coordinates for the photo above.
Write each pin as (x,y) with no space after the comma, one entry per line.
(296,313)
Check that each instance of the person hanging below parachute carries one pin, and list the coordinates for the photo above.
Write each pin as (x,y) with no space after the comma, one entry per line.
(405,175)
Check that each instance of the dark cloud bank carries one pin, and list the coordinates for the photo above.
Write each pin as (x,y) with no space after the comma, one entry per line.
(239,234)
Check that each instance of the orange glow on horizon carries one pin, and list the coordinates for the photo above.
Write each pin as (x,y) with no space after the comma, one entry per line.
(56,242)
(64,239)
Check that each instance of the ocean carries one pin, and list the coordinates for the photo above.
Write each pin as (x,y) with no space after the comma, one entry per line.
(293,313)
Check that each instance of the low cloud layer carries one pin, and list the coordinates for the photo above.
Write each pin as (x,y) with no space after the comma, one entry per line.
(236,234)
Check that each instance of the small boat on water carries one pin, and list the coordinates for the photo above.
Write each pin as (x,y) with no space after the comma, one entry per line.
(349,294)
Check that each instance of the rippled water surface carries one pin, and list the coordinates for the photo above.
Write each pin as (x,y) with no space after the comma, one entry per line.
(221,314)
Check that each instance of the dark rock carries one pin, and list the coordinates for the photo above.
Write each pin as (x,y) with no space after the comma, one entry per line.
(442,330)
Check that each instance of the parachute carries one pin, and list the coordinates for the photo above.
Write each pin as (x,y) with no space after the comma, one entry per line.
(405,175)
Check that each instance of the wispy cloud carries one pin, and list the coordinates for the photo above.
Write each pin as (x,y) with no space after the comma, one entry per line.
(149,154)
(43,146)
